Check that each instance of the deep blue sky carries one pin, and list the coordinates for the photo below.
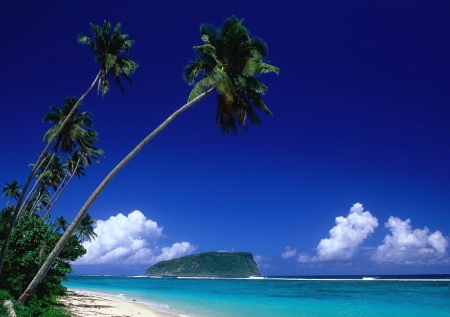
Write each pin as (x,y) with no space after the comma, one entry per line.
(361,114)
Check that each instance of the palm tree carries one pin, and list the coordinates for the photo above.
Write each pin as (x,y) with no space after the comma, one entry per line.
(39,200)
(88,152)
(75,164)
(12,190)
(230,60)
(215,79)
(60,223)
(107,50)
(73,132)
(86,228)
(55,173)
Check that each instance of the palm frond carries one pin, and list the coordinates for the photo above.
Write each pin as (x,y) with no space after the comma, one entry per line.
(195,68)
(254,47)
(229,60)
(267,68)
(108,47)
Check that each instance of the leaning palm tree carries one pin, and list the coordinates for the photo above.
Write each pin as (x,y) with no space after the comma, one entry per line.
(39,200)
(76,164)
(107,51)
(230,81)
(230,60)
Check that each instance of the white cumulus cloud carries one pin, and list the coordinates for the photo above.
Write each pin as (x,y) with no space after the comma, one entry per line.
(345,237)
(407,246)
(129,240)
(176,250)
(288,253)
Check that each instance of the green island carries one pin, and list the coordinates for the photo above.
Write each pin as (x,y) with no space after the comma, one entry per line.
(208,264)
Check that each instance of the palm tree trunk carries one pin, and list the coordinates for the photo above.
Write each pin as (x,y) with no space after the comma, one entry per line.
(25,204)
(18,209)
(35,204)
(50,206)
(35,184)
(28,293)
(56,195)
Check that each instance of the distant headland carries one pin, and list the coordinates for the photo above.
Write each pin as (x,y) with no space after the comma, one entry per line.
(208,264)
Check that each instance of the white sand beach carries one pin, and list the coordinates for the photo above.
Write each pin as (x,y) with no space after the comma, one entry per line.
(86,304)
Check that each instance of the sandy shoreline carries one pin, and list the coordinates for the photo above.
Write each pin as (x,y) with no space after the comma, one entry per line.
(86,304)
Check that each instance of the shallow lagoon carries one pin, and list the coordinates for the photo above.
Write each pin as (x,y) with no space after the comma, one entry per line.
(270,297)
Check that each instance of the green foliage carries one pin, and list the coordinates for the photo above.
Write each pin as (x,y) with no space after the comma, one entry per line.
(31,242)
(12,190)
(73,132)
(222,264)
(86,229)
(34,309)
(5,218)
(107,47)
(230,60)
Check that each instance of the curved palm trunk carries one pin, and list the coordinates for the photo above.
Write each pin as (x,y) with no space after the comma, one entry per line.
(28,293)
(35,204)
(50,206)
(55,196)
(25,204)
(19,206)
(36,183)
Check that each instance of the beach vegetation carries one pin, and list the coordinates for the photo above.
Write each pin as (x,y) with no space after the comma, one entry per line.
(35,235)
(108,49)
(32,240)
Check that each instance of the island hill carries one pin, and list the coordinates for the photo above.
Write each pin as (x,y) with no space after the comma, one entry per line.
(208,264)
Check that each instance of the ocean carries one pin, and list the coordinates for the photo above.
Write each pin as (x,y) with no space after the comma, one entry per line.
(427,295)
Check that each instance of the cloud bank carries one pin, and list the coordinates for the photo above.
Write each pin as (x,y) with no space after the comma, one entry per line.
(408,246)
(130,240)
(404,246)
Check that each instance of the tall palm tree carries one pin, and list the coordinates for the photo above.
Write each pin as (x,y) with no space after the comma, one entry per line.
(230,60)
(221,78)
(12,190)
(88,152)
(73,132)
(107,50)
(76,164)
(86,228)
(55,173)
(39,200)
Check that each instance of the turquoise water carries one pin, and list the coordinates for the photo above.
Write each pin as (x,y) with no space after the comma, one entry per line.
(276,297)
